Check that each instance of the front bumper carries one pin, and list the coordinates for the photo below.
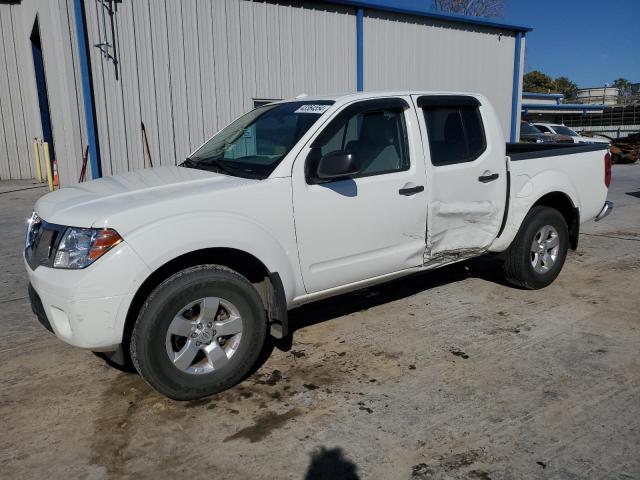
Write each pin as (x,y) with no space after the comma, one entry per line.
(607,208)
(38,309)
(87,308)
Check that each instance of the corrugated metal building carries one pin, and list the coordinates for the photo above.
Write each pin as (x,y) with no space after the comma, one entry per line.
(78,72)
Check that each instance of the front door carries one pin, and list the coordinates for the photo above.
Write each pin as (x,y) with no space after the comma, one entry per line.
(467,175)
(371,223)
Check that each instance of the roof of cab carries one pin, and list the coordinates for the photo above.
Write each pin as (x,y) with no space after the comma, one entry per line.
(340,97)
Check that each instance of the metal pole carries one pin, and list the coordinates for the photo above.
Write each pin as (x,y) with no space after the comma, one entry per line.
(360,49)
(515,93)
(87,92)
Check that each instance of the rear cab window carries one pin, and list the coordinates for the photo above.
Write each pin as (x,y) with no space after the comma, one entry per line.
(454,128)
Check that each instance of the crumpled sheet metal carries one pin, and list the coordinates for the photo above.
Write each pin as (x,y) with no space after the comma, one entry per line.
(464,226)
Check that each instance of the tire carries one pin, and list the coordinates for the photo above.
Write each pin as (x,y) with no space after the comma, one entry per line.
(522,267)
(186,303)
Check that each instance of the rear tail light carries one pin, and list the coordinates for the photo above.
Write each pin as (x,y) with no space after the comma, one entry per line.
(607,169)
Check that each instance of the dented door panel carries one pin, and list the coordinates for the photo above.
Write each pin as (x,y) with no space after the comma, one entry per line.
(467,195)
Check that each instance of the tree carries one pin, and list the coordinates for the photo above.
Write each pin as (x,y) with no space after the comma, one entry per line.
(566,87)
(622,84)
(472,8)
(624,87)
(538,82)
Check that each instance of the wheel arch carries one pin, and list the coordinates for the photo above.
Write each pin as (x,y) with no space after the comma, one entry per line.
(268,284)
(558,195)
(562,202)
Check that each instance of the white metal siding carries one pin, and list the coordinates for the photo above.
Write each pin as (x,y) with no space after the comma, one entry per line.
(14,139)
(20,120)
(406,52)
(188,68)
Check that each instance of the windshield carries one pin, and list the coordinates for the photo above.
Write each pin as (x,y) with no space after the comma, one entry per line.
(562,130)
(256,143)
(529,129)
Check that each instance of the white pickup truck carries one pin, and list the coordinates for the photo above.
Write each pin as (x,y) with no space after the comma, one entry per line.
(186,270)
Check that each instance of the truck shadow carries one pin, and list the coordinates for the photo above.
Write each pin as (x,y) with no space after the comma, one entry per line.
(487,268)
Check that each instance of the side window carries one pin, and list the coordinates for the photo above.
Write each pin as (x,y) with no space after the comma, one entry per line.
(543,128)
(346,133)
(378,137)
(456,134)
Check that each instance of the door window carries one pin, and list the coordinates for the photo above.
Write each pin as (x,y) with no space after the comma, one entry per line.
(455,133)
(377,135)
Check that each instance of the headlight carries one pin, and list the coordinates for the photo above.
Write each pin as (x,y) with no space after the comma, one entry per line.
(33,226)
(80,247)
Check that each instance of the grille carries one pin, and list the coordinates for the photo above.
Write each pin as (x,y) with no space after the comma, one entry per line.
(41,242)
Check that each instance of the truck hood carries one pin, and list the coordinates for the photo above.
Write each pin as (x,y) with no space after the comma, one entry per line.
(95,203)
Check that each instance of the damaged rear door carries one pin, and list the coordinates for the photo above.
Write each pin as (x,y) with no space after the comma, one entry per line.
(467,181)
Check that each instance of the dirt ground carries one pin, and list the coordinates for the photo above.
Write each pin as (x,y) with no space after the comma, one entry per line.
(450,374)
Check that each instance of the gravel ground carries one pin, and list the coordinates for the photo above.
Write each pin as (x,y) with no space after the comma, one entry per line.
(450,374)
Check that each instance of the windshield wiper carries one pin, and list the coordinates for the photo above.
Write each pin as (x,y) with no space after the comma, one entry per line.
(188,163)
(218,165)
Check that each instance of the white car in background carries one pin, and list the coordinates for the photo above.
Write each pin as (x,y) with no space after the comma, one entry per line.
(557,129)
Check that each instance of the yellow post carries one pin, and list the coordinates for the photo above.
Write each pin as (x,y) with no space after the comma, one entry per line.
(36,151)
(47,161)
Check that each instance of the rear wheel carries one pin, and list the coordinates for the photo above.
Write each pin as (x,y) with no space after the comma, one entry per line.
(538,252)
(199,332)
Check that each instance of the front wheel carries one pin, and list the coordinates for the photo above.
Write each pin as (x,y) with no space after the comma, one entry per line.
(538,252)
(199,332)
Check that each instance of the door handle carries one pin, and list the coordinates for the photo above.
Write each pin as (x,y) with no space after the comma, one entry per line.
(488,178)
(406,191)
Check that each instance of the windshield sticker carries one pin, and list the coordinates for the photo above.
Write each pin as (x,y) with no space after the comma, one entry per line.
(311,108)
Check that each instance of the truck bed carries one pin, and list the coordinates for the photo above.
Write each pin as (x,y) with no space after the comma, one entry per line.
(578,170)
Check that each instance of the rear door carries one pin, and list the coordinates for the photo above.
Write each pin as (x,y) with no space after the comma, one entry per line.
(467,177)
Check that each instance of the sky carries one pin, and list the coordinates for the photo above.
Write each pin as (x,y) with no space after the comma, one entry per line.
(590,41)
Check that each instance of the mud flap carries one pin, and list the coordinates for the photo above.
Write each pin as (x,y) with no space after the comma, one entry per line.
(277,308)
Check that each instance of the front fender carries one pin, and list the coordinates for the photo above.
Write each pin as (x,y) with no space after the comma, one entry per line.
(158,243)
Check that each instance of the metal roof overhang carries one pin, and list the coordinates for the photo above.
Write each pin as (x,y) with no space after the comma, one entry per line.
(541,95)
(419,8)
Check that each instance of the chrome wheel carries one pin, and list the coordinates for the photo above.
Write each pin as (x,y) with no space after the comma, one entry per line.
(544,249)
(204,335)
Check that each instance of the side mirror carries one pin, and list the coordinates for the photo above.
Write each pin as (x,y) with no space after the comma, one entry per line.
(338,164)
